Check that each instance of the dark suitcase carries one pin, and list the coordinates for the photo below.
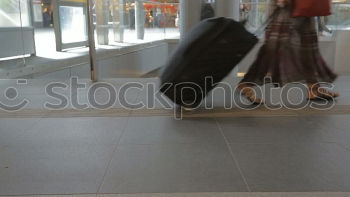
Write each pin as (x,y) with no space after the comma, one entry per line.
(207,54)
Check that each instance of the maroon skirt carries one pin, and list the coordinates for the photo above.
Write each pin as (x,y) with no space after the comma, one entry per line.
(290,53)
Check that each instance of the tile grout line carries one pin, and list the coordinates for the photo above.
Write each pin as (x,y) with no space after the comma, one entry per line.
(121,112)
(112,155)
(131,112)
(234,158)
(115,149)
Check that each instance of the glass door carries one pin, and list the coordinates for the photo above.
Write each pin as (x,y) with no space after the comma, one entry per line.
(70,23)
(16,35)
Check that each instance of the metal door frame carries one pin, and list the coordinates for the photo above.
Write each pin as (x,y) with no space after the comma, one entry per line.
(60,46)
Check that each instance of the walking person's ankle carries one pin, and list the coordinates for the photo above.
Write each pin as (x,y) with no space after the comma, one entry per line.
(247,90)
(318,92)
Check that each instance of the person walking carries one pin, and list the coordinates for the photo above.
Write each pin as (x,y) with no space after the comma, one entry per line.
(290,54)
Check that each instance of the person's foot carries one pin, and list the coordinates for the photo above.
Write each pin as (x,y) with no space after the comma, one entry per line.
(249,93)
(188,109)
(317,93)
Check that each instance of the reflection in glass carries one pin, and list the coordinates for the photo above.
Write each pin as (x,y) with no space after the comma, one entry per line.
(13,13)
(255,12)
(14,30)
(73,24)
(341,16)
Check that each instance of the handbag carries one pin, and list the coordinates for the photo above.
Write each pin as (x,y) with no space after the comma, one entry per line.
(311,8)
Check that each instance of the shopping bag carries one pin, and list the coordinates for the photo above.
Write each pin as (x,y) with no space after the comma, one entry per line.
(311,8)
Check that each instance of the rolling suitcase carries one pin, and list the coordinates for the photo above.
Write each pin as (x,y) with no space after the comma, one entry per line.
(206,55)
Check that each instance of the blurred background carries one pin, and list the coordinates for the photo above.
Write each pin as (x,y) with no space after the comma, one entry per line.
(44,36)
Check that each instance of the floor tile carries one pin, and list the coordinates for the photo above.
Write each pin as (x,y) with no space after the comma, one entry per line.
(343,99)
(172,168)
(335,128)
(99,131)
(330,122)
(232,194)
(11,128)
(294,167)
(59,156)
(267,122)
(167,130)
(270,130)
(342,84)
(53,168)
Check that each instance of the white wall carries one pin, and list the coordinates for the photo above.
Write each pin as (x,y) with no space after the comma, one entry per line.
(12,43)
(190,14)
(133,63)
(82,71)
(126,62)
(342,61)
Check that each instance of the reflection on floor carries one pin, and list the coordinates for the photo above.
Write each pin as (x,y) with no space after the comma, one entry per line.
(154,153)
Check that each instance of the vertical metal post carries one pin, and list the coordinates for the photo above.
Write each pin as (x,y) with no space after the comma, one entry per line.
(57,25)
(91,37)
(190,14)
(102,15)
(118,20)
(227,8)
(139,19)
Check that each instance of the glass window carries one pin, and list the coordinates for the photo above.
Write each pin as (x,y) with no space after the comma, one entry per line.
(73,24)
(256,12)
(160,20)
(136,21)
(341,15)
(14,13)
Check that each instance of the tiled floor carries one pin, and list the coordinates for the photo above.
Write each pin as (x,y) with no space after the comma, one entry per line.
(209,194)
(158,154)
(161,154)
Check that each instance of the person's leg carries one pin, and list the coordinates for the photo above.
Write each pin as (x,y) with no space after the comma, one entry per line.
(311,62)
(268,61)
